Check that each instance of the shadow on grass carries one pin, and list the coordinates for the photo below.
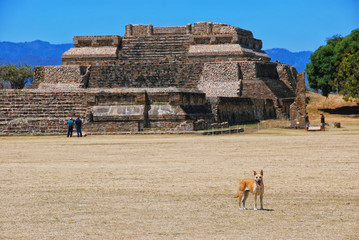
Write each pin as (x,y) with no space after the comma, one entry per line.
(342,110)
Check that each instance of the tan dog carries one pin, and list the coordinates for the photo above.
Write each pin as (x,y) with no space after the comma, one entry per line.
(254,186)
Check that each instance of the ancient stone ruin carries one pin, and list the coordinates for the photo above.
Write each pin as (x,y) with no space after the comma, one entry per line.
(157,78)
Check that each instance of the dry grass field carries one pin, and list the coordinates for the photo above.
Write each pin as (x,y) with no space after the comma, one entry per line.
(181,187)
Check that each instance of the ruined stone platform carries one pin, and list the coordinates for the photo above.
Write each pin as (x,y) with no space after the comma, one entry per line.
(167,79)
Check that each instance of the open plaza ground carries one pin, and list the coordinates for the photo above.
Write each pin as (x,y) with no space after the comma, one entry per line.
(181,187)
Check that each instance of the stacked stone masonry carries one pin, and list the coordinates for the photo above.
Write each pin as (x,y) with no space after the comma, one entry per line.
(164,78)
(37,112)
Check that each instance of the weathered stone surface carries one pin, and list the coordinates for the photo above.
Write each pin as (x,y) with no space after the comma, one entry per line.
(236,110)
(163,78)
(118,113)
(220,80)
(41,112)
(91,52)
(298,107)
(58,77)
(166,44)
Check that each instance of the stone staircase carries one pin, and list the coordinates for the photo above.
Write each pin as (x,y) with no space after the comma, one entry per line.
(33,113)
(164,48)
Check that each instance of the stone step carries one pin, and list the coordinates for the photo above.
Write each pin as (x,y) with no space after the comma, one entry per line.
(151,44)
(137,44)
(150,56)
(152,48)
(36,112)
(153,52)
(179,44)
(134,59)
(159,38)
(148,41)
(160,47)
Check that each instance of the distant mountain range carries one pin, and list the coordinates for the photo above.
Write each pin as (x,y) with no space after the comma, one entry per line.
(32,53)
(297,59)
(44,53)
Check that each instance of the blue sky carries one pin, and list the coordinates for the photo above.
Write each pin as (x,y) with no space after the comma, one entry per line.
(297,25)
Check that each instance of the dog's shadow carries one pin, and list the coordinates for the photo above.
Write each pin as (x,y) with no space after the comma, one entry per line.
(266,209)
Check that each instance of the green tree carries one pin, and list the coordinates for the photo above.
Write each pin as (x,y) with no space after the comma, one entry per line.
(347,78)
(325,61)
(321,68)
(18,75)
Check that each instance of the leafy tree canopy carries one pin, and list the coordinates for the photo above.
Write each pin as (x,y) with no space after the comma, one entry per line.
(347,77)
(331,68)
(18,75)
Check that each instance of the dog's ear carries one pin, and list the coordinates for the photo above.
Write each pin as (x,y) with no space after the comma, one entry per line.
(255,173)
(262,172)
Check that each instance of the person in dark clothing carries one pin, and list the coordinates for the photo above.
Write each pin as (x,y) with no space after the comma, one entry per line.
(322,122)
(306,118)
(78,123)
(70,129)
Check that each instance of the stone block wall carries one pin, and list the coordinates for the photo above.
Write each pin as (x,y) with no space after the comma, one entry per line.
(39,112)
(97,41)
(248,79)
(287,74)
(220,79)
(58,77)
(298,107)
(218,33)
(236,110)
(143,43)
(226,63)
(251,79)
(150,75)
(170,30)
(261,80)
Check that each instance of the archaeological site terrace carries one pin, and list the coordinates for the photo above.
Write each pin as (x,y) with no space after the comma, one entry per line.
(157,78)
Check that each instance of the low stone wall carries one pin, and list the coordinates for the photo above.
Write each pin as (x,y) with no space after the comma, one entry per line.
(170,30)
(242,110)
(39,112)
(97,41)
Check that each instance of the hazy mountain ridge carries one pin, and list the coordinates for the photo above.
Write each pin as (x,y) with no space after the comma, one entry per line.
(44,53)
(297,59)
(33,53)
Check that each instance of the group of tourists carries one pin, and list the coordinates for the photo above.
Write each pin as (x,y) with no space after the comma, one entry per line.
(322,122)
(77,123)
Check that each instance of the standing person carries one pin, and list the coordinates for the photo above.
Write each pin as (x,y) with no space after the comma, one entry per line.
(70,129)
(306,118)
(322,122)
(78,123)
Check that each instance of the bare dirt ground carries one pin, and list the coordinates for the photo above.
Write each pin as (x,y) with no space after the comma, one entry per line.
(181,187)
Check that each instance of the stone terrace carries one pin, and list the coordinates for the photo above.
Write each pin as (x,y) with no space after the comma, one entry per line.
(161,78)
